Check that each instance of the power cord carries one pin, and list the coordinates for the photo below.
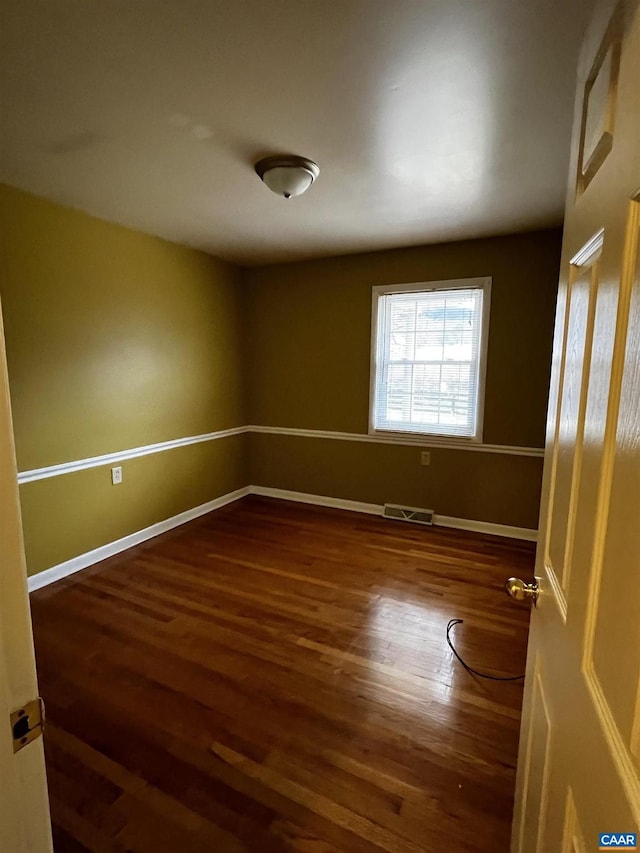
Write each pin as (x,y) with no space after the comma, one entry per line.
(452,623)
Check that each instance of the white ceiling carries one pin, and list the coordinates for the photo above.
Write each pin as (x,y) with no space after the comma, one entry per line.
(431,120)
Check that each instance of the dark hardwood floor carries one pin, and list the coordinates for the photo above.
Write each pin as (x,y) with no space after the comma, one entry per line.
(275,677)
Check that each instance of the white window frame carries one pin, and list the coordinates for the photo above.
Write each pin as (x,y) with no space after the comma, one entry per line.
(423,437)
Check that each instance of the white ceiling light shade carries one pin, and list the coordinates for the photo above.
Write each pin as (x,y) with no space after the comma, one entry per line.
(286,174)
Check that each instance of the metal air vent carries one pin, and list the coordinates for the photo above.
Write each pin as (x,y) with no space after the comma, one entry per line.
(408,513)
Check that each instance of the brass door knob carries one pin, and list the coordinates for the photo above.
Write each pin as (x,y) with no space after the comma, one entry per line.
(521,591)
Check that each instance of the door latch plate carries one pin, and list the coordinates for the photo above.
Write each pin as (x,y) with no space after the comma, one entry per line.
(27,723)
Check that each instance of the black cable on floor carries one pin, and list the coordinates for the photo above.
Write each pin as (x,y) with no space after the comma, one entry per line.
(470,669)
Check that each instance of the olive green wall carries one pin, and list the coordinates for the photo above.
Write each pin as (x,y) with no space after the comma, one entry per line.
(460,483)
(69,515)
(308,358)
(115,340)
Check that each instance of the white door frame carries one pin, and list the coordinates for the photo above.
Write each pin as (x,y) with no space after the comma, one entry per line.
(24,805)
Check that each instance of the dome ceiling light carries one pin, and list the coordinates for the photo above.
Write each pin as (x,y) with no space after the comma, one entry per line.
(286,174)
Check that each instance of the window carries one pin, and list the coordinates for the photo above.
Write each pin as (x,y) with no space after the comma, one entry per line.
(428,358)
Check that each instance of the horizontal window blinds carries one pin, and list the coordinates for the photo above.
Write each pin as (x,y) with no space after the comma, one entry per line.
(427,362)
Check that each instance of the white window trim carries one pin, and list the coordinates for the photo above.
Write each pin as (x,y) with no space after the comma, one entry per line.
(451,284)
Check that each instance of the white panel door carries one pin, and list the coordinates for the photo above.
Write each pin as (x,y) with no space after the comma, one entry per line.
(579,763)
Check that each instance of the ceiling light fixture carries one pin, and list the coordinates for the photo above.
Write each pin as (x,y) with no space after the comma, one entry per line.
(286,174)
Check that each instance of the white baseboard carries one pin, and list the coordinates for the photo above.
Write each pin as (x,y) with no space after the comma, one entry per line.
(505,530)
(317,500)
(69,567)
(376,509)
(82,561)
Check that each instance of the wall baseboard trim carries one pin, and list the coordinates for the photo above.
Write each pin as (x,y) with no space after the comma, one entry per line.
(83,561)
(90,558)
(491,528)
(316,500)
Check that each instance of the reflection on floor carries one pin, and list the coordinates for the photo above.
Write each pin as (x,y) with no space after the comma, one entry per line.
(275,677)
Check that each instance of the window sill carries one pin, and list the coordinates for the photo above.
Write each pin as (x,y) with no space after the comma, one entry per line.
(425,438)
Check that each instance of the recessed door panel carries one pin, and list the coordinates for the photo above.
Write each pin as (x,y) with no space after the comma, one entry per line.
(572,399)
(615,655)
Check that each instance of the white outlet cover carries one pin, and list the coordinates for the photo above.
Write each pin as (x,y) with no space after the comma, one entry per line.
(116,475)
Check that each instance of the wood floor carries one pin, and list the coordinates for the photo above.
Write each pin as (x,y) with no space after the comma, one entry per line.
(275,677)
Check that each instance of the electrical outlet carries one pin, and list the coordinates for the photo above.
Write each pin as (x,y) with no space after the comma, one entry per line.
(116,475)
(425,457)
